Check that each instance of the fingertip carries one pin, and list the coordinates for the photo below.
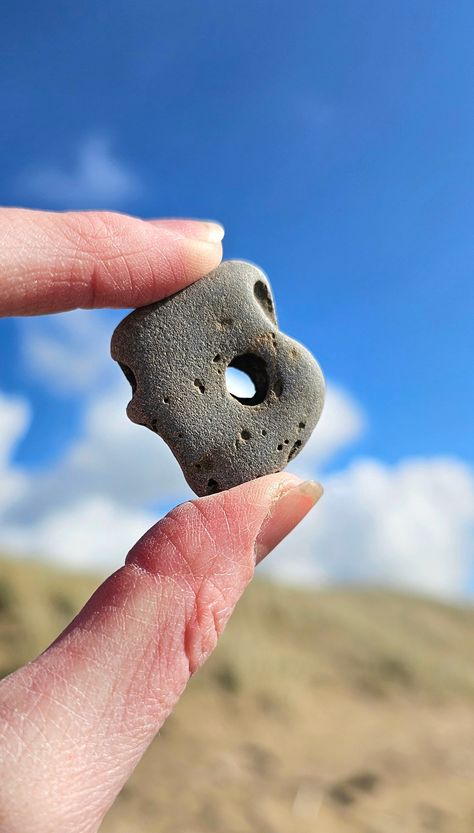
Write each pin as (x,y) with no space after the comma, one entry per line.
(231,520)
(291,504)
(262,512)
(200,257)
(194,247)
(198,242)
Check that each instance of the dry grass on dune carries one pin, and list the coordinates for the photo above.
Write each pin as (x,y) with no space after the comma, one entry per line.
(340,710)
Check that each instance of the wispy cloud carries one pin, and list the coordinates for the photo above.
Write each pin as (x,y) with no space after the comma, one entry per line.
(96,179)
(69,353)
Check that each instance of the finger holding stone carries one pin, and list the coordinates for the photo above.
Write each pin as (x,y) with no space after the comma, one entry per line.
(75,722)
(55,262)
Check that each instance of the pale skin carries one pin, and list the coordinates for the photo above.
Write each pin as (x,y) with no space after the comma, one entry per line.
(75,722)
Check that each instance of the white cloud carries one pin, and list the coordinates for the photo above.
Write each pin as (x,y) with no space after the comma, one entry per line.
(97,179)
(90,508)
(69,352)
(89,533)
(410,525)
(342,422)
(14,420)
(123,460)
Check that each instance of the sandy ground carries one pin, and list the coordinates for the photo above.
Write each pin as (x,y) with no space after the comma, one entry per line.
(337,711)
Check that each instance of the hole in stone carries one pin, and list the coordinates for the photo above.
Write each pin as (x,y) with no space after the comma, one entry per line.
(264,433)
(287,442)
(247,379)
(129,374)
(262,294)
(216,358)
(198,384)
(180,436)
(294,449)
(198,466)
(212,486)
(280,447)
(166,400)
(154,423)
(239,384)
(245,434)
(302,425)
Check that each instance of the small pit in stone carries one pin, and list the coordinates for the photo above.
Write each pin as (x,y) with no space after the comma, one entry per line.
(262,294)
(212,486)
(199,385)
(294,449)
(278,388)
(245,434)
(302,425)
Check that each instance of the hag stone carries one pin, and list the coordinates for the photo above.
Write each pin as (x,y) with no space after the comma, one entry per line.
(175,354)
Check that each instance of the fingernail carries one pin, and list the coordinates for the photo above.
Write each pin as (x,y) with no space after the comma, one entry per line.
(287,510)
(207,231)
(210,232)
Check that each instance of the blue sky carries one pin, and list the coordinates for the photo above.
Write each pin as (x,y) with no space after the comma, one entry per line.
(335,142)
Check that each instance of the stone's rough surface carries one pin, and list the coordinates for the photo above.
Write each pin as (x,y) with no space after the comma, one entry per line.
(175,354)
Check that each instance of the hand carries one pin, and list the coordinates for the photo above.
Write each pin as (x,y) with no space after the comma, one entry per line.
(75,722)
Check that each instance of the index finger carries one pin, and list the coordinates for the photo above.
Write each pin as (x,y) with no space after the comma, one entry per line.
(53,262)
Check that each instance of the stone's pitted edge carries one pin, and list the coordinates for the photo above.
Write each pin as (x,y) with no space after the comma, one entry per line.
(178,372)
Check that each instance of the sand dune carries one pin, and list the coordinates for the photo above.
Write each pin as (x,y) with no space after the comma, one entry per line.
(340,711)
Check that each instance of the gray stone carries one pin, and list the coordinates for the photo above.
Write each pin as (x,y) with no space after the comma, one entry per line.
(175,354)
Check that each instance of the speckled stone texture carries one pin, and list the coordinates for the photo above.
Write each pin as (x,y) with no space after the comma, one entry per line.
(175,354)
